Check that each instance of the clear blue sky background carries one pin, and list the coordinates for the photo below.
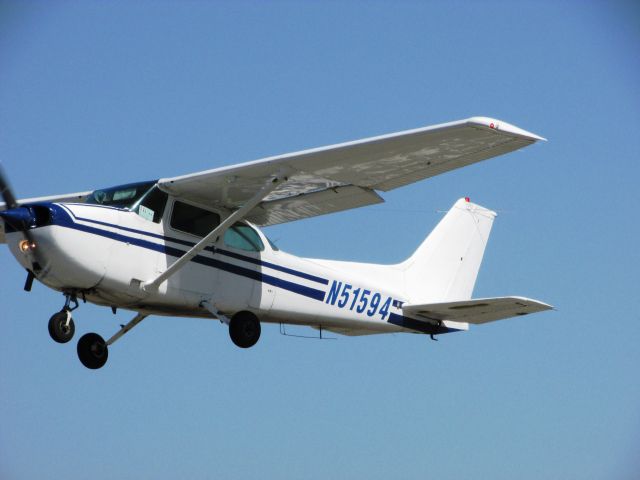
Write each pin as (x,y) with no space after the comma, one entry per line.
(100,93)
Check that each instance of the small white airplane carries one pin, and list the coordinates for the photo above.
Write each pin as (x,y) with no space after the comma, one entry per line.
(189,246)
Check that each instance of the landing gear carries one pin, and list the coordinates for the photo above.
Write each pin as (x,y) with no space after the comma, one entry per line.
(93,351)
(244,329)
(61,326)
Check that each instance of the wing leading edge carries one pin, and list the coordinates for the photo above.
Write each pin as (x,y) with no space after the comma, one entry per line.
(347,175)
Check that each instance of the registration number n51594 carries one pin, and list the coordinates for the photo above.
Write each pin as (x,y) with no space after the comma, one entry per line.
(344,295)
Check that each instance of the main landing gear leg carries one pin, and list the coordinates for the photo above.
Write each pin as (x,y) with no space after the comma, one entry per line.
(244,326)
(61,326)
(93,351)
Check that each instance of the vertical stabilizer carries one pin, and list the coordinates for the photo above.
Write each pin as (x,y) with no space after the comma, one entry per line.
(445,266)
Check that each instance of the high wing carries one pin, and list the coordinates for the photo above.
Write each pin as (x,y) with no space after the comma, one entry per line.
(479,310)
(347,175)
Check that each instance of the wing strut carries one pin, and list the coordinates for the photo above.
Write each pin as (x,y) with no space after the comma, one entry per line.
(239,214)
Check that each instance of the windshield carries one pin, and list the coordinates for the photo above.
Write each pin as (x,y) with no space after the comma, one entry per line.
(123,196)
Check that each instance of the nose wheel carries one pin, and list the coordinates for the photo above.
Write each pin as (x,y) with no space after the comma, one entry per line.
(61,326)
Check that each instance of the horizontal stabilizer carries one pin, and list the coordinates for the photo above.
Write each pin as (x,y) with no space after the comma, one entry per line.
(478,310)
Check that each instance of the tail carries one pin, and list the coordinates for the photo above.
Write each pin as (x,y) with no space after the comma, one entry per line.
(445,266)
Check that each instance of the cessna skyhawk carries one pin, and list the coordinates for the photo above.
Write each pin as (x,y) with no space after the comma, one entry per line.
(190,246)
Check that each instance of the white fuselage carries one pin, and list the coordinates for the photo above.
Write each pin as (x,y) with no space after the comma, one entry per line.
(106,254)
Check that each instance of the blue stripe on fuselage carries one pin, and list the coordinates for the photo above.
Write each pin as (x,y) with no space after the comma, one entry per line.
(189,244)
(66,221)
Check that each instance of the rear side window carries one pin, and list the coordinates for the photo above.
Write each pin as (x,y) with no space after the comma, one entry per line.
(243,237)
(193,220)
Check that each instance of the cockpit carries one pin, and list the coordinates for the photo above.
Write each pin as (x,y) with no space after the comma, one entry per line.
(123,196)
(150,203)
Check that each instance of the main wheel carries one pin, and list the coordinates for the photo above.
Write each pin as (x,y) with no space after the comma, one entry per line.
(244,329)
(58,328)
(92,351)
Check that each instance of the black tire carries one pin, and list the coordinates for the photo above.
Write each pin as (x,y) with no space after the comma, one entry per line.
(244,329)
(92,351)
(58,328)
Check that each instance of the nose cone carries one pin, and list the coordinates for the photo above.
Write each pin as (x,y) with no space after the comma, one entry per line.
(17,218)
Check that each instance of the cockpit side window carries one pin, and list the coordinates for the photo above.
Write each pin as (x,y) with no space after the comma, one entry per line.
(193,220)
(243,237)
(151,206)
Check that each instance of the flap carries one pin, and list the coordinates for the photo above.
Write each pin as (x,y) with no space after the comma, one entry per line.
(312,204)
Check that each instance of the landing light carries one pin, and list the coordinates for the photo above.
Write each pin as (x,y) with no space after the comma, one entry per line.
(26,245)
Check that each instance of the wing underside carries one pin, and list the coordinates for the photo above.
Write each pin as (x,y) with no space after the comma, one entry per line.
(347,175)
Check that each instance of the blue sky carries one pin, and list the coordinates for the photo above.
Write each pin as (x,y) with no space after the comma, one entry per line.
(100,93)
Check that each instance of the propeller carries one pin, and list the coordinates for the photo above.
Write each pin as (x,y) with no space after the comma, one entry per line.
(19,218)
(5,189)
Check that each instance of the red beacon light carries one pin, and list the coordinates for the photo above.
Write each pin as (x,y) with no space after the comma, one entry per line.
(467,199)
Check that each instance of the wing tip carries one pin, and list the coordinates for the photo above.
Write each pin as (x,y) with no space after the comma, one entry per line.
(500,126)
(541,305)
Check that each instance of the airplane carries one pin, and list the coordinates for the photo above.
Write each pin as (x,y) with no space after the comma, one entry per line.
(191,246)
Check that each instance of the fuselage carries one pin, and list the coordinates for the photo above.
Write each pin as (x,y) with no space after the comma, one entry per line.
(106,254)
